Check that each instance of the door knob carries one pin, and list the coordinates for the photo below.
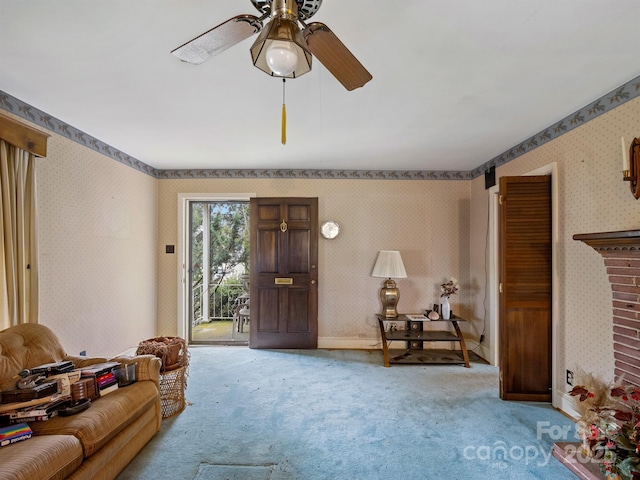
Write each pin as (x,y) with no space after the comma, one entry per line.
(313,282)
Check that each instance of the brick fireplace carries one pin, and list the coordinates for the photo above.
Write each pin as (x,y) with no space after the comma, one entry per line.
(621,252)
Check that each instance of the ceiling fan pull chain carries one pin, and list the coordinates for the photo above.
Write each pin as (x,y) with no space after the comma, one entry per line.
(284,116)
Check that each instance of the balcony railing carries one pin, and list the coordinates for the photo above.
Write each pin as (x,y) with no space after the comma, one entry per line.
(223,302)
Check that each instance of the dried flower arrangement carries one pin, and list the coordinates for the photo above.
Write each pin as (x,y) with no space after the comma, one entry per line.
(609,424)
(449,288)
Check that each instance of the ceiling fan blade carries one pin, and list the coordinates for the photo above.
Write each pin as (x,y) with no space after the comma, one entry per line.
(218,39)
(331,52)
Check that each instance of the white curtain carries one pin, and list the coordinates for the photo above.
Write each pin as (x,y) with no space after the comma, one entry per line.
(18,242)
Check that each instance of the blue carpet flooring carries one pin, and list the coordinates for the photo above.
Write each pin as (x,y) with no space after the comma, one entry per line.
(300,414)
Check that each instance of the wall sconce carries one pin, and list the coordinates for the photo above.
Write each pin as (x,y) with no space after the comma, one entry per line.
(631,166)
(389,264)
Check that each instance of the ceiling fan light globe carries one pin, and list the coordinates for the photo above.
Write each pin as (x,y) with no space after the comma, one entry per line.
(281,58)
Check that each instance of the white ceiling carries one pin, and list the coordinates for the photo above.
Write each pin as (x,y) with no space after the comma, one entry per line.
(455,83)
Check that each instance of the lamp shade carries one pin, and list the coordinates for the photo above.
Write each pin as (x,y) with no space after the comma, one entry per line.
(280,50)
(389,265)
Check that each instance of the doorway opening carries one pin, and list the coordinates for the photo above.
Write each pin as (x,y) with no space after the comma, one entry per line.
(218,272)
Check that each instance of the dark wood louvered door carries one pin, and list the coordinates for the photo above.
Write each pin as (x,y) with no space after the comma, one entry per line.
(525,286)
(284,273)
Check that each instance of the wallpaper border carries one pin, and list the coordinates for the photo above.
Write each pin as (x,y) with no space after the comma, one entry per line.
(604,104)
(611,100)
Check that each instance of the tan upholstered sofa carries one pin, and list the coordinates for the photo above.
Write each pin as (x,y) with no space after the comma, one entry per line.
(95,444)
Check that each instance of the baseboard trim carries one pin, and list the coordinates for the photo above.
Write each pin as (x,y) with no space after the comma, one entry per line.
(566,404)
(349,343)
(485,353)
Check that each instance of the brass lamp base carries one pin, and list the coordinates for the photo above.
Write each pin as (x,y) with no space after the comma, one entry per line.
(389,296)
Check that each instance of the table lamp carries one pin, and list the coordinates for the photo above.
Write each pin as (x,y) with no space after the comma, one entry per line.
(389,264)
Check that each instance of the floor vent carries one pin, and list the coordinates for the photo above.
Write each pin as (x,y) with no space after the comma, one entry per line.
(208,471)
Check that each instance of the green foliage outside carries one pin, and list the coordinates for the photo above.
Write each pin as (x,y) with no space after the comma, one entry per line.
(229,256)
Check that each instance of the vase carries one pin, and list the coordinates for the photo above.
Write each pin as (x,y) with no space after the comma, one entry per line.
(445,308)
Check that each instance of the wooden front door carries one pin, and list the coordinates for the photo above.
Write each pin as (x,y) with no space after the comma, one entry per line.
(525,283)
(284,273)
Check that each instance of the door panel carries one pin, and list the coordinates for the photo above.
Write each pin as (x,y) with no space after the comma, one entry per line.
(269,212)
(267,245)
(528,362)
(299,321)
(298,252)
(268,300)
(299,212)
(525,276)
(284,274)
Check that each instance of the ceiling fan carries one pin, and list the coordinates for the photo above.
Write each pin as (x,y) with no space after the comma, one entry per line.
(281,49)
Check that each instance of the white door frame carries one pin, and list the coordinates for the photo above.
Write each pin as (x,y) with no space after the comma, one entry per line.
(183,251)
(494,255)
(493,353)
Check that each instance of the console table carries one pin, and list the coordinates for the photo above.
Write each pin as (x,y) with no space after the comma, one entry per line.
(414,335)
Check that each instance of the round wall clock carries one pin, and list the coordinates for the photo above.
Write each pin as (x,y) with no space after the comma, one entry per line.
(329,229)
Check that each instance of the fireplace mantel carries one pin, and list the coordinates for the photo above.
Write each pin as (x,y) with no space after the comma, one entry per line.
(627,241)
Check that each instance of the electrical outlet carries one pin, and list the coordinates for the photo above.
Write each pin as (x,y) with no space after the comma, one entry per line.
(569,377)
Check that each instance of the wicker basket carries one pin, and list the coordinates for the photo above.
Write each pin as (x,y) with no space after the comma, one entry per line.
(172,386)
(173,373)
(171,350)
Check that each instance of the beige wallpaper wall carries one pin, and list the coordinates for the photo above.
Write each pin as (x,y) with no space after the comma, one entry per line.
(97,243)
(592,198)
(427,221)
(106,282)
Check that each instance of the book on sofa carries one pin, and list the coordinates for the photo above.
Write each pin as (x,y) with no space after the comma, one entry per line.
(25,394)
(43,410)
(52,368)
(102,373)
(98,369)
(14,433)
(7,420)
(8,407)
(38,410)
